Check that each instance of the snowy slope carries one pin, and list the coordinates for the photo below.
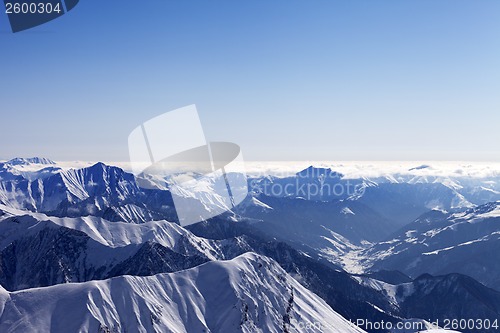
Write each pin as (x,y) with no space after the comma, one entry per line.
(111,234)
(442,243)
(36,250)
(438,298)
(248,294)
(21,161)
(98,190)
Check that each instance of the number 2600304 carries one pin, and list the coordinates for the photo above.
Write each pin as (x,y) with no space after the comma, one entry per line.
(32,8)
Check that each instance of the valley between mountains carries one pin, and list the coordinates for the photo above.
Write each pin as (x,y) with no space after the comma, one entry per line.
(89,249)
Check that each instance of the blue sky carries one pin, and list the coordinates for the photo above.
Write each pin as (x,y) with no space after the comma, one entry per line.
(287,80)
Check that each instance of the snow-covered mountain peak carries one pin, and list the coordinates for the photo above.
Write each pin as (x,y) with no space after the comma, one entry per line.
(250,293)
(30,160)
(318,172)
(479,213)
(420,167)
(347,211)
(16,223)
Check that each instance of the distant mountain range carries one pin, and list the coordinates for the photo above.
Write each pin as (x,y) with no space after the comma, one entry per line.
(30,160)
(392,248)
(443,243)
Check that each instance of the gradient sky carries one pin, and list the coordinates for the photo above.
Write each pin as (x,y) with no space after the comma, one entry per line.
(286,80)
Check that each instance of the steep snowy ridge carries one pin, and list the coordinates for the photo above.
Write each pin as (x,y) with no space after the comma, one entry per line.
(36,250)
(443,243)
(77,257)
(31,169)
(39,251)
(438,298)
(75,184)
(477,214)
(248,294)
(101,180)
(112,193)
(111,234)
(98,190)
(30,160)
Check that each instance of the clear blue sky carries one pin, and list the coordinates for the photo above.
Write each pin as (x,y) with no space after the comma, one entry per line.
(287,80)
